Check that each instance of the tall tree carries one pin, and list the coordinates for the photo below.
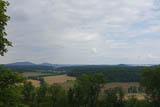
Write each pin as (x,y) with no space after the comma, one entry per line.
(29,94)
(41,97)
(58,96)
(150,80)
(10,92)
(3,23)
(87,89)
(113,97)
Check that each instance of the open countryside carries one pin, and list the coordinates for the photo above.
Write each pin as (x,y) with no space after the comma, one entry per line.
(79,53)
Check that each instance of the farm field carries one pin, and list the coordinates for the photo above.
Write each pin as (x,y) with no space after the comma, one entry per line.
(124,86)
(139,96)
(58,79)
(36,83)
(29,74)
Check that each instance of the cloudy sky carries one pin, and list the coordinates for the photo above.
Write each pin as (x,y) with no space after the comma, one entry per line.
(84,31)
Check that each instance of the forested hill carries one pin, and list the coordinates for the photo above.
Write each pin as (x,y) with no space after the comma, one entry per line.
(29,68)
(115,73)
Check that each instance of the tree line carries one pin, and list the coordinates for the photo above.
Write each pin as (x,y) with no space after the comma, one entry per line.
(114,73)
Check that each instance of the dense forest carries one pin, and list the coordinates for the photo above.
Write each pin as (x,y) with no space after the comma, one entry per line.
(114,73)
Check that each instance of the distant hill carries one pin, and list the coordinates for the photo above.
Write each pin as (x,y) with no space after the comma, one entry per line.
(54,65)
(123,65)
(27,63)
(21,64)
(46,64)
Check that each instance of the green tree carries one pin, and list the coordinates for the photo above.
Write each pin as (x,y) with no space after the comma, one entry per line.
(42,82)
(58,96)
(87,89)
(70,98)
(3,23)
(10,91)
(132,89)
(150,80)
(42,93)
(29,94)
(133,102)
(113,98)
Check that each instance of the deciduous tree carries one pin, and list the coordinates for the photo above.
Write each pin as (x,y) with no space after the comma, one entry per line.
(10,91)
(3,23)
(150,80)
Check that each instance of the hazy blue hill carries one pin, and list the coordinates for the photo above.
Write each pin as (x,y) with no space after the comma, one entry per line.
(123,65)
(21,64)
(46,64)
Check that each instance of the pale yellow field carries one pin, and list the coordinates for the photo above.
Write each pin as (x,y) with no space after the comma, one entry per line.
(35,82)
(58,79)
(139,96)
(124,86)
(28,74)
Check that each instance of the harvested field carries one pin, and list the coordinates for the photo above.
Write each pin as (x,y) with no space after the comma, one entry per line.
(139,96)
(28,74)
(66,85)
(58,79)
(124,86)
(35,82)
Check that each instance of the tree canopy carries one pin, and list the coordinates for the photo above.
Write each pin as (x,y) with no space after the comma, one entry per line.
(3,23)
(10,94)
(150,80)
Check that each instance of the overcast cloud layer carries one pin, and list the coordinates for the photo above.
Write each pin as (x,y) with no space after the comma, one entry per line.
(84,31)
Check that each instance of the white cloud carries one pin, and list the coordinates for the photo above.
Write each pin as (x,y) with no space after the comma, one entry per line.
(94,50)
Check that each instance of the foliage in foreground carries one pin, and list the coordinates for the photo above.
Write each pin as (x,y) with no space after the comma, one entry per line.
(3,22)
(150,79)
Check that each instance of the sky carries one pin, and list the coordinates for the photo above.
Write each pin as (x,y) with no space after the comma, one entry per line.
(84,31)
